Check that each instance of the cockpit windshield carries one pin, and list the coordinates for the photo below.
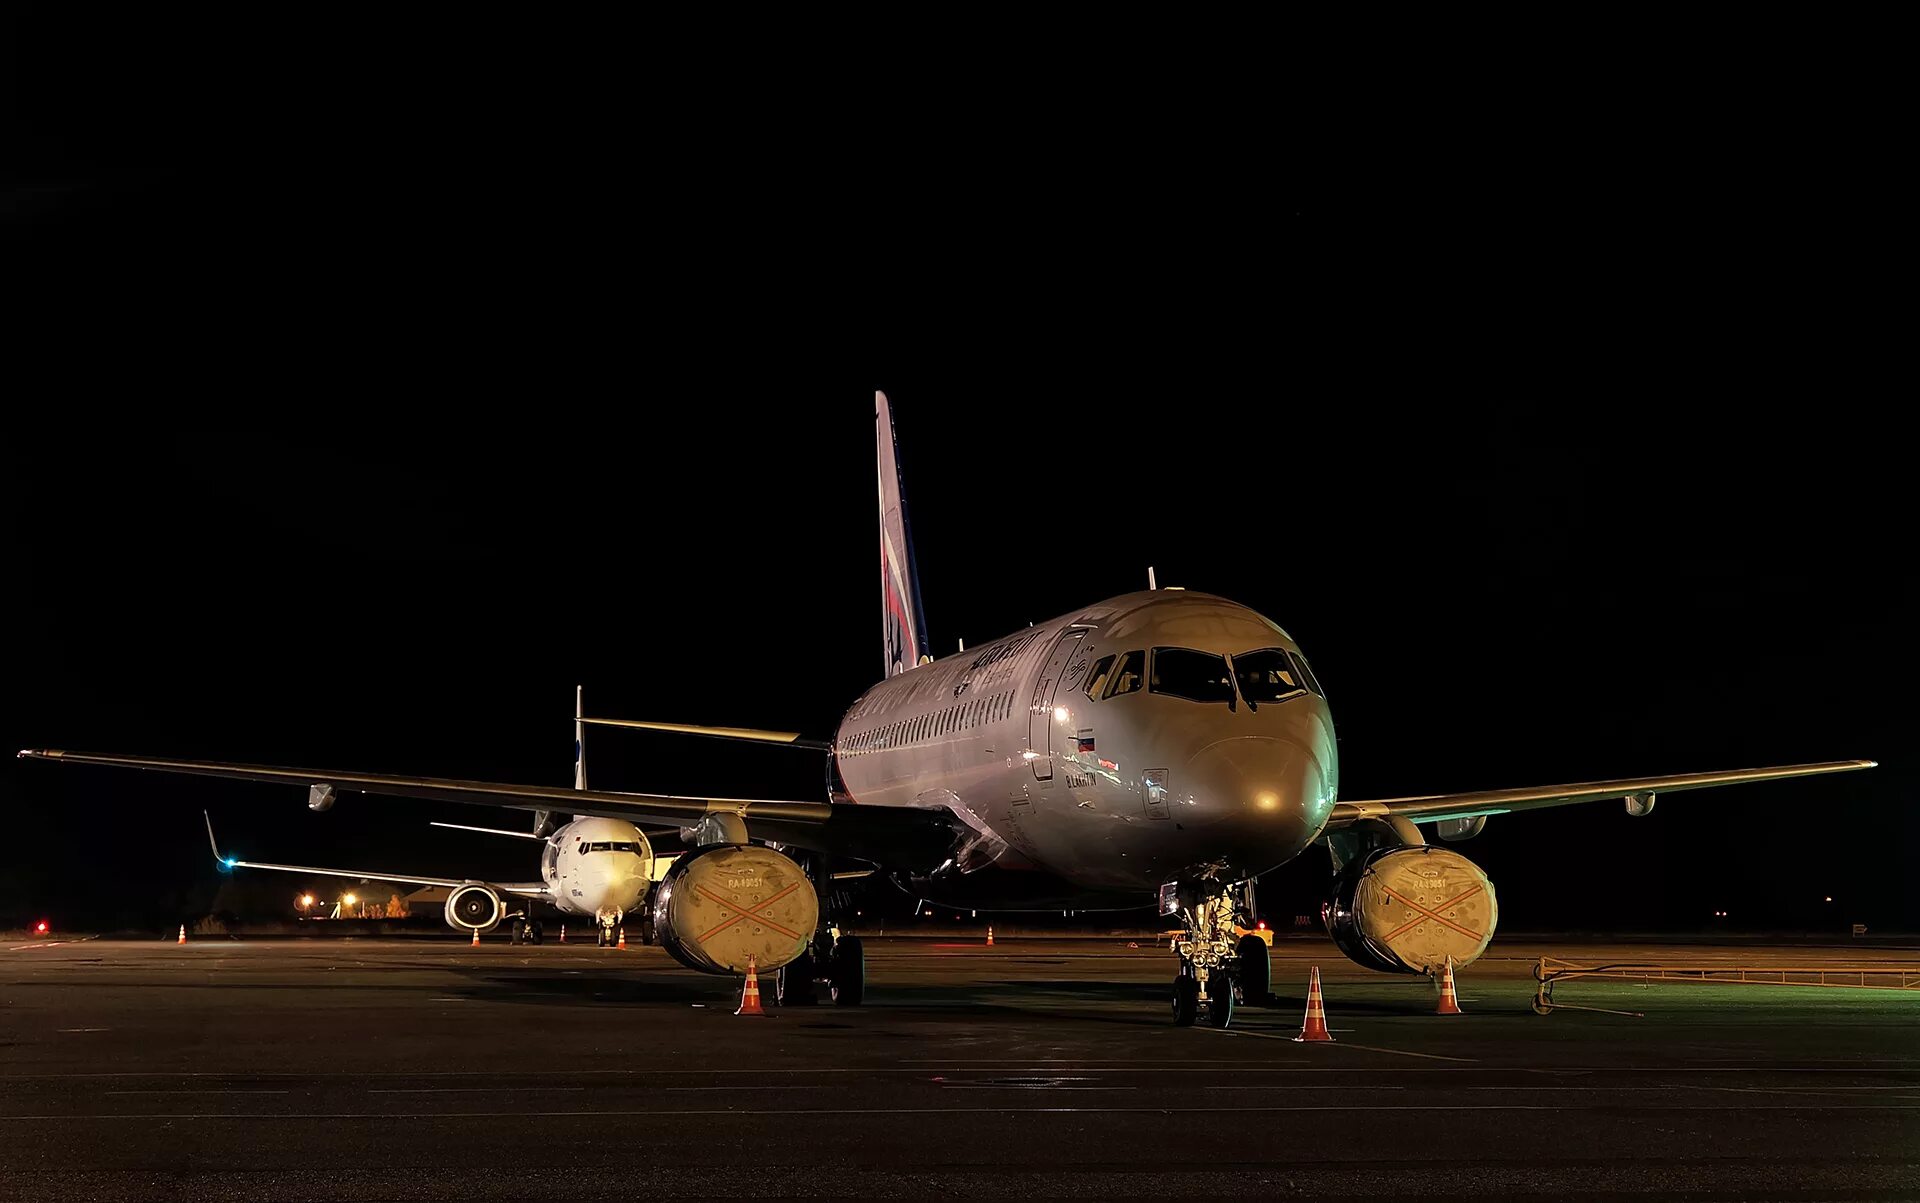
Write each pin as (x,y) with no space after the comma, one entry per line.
(1115,675)
(1268,675)
(1196,676)
(1306,674)
(610,846)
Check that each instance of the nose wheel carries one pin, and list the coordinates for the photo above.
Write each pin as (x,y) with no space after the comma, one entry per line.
(1210,1003)
(1186,1000)
(1253,972)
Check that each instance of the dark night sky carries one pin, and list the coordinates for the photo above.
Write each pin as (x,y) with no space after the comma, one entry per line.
(364,399)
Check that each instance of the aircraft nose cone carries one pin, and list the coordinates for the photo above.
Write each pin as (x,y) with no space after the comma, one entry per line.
(1271,793)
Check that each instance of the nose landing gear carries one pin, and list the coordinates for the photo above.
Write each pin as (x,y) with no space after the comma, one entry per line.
(604,923)
(1220,961)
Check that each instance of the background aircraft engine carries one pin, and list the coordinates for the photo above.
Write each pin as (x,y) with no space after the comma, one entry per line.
(474,907)
(1406,910)
(720,903)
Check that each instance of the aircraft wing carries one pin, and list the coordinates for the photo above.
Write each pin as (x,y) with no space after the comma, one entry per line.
(1433,808)
(523,889)
(912,838)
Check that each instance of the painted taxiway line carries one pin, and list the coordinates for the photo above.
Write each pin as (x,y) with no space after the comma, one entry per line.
(834,1112)
(1651,1071)
(1398,1052)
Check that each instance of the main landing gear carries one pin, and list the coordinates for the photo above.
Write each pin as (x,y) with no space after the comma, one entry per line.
(526,931)
(1221,961)
(837,962)
(835,959)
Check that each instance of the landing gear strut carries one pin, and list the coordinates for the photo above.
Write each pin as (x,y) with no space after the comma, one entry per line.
(1219,959)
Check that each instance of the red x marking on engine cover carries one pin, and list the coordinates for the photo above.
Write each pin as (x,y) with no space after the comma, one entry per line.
(751,912)
(1433,915)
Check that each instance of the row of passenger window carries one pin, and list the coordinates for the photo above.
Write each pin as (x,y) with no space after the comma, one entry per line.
(1269,675)
(927,726)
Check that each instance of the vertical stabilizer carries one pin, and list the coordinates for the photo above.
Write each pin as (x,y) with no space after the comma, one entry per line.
(903,621)
(579,743)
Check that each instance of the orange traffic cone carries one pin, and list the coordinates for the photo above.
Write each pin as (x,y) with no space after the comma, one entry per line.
(1449,1003)
(476,937)
(750,997)
(1315,1028)
(989,935)
(183,934)
(623,937)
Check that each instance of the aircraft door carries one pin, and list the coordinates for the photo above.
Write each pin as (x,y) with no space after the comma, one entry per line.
(1064,662)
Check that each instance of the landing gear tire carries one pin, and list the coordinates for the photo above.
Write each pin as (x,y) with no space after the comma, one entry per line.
(1254,978)
(1186,1000)
(1220,1001)
(847,971)
(518,933)
(535,933)
(794,987)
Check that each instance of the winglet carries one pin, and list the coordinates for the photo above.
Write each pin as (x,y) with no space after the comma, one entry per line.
(225,862)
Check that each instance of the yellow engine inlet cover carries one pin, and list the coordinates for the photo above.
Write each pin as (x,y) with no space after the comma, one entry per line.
(732,902)
(1427,904)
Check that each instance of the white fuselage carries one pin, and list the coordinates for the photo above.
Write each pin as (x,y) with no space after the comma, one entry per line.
(597,867)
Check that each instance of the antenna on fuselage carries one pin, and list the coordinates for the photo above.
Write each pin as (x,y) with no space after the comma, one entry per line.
(1151,583)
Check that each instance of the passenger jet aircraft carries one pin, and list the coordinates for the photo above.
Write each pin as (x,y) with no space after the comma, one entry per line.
(1161,747)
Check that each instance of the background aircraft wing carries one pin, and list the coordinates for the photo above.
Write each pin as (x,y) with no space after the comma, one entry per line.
(1435,807)
(524,889)
(911,838)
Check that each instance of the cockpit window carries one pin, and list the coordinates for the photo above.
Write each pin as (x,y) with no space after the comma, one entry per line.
(1128,673)
(1268,675)
(1097,679)
(611,846)
(1196,676)
(1306,674)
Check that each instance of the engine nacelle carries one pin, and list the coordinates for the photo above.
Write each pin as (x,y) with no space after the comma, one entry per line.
(1406,910)
(475,906)
(724,902)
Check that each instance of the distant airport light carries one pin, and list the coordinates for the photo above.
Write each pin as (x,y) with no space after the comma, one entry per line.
(349,899)
(306,900)
(1266,799)
(40,928)
(1829,898)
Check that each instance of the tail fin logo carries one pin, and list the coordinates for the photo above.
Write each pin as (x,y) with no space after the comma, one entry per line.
(902,620)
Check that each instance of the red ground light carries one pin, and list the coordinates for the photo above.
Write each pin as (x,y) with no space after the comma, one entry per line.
(40,928)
